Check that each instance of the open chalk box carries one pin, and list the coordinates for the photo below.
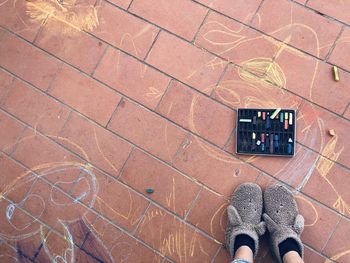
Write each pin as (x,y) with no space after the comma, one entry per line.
(266,132)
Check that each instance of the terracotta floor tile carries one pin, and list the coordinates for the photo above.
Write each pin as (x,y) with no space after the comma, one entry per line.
(108,243)
(51,206)
(338,246)
(11,175)
(159,229)
(337,9)
(84,51)
(142,172)
(240,89)
(56,245)
(147,130)
(233,9)
(124,30)
(31,246)
(319,222)
(235,41)
(347,113)
(116,202)
(301,1)
(101,105)
(10,130)
(312,256)
(289,170)
(212,166)
(96,145)
(122,3)
(222,256)
(186,63)
(210,218)
(314,80)
(37,152)
(340,54)
(6,81)
(132,78)
(331,179)
(35,108)
(297,26)
(15,16)
(8,252)
(197,113)
(26,61)
(85,95)
(313,127)
(13,224)
(171,16)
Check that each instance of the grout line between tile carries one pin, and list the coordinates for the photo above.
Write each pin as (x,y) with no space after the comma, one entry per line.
(255,14)
(230,137)
(200,27)
(152,44)
(181,146)
(131,2)
(65,123)
(164,94)
(193,203)
(346,108)
(331,235)
(216,254)
(47,90)
(8,90)
(330,51)
(99,60)
(121,171)
(113,113)
(134,232)
(218,82)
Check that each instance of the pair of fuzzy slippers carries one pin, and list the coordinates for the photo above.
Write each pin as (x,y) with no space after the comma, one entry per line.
(281,216)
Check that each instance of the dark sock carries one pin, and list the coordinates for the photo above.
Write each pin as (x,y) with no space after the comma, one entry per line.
(244,240)
(288,245)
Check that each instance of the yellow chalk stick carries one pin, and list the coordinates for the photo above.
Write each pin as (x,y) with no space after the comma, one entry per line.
(290,118)
(336,73)
(274,114)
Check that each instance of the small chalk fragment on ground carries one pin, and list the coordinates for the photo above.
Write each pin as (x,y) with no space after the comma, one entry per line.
(149,190)
(331,132)
(336,73)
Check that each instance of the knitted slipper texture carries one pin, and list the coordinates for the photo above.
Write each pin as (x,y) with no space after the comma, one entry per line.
(282,217)
(244,216)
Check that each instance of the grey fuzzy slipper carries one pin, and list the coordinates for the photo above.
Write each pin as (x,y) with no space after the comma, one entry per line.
(244,216)
(282,217)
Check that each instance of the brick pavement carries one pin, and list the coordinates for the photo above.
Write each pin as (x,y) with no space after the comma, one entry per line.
(100,100)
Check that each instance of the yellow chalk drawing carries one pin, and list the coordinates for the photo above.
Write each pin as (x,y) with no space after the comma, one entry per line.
(154,93)
(329,156)
(178,242)
(338,256)
(74,17)
(316,217)
(327,159)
